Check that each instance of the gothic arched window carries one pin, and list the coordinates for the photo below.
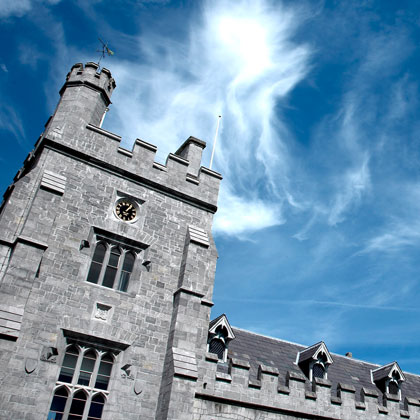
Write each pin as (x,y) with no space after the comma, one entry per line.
(217,346)
(111,266)
(82,385)
(318,371)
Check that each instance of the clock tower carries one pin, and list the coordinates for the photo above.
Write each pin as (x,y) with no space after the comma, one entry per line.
(107,266)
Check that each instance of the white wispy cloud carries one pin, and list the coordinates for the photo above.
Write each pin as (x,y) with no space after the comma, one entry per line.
(11,121)
(20,7)
(353,184)
(239,61)
(238,214)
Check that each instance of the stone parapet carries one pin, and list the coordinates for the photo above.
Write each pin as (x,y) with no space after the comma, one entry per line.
(294,395)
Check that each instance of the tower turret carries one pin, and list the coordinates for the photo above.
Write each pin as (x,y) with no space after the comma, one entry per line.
(85,96)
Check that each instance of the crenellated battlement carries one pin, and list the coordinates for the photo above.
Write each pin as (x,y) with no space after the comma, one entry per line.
(179,174)
(75,129)
(273,392)
(90,76)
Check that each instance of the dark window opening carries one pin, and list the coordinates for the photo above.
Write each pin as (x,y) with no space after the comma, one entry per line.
(393,388)
(87,374)
(217,346)
(111,266)
(318,371)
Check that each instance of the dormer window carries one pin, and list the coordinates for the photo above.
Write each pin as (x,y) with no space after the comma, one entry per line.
(217,345)
(314,361)
(318,371)
(389,379)
(393,387)
(220,334)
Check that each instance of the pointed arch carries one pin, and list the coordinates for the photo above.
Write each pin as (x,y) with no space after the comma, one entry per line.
(78,404)
(97,262)
(126,270)
(59,402)
(69,364)
(112,267)
(96,406)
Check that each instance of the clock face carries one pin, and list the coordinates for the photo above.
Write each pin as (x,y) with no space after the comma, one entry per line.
(126,211)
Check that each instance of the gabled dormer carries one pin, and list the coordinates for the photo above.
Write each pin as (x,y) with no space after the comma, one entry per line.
(314,361)
(388,379)
(220,334)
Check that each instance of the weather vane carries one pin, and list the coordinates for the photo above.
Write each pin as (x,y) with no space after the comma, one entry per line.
(104,51)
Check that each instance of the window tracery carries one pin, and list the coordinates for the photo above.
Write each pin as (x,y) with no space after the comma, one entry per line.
(82,386)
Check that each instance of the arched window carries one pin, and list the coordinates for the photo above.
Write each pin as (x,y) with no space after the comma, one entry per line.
(217,346)
(126,271)
(69,364)
(77,405)
(86,368)
(96,407)
(318,371)
(97,261)
(104,372)
(58,404)
(393,387)
(86,372)
(111,265)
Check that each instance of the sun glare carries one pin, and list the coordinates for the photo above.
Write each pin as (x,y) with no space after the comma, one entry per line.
(246,40)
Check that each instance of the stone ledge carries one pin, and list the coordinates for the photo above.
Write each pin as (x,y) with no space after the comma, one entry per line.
(103,132)
(281,389)
(391,397)
(32,242)
(210,172)
(295,376)
(346,388)
(188,292)
(360,405)
(224,377)
(178,159)
(382,409)
(336,401)
(411,401)
(270,370)
(211,357)
(146,145)
(254,383)
(125,152)
(404,414)
(323,382)
(310,395)
(369,392)
(243,364)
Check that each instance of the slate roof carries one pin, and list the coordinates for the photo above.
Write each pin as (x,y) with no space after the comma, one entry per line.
(258,349)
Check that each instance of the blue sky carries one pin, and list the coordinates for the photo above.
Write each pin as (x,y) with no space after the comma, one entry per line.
(318,227)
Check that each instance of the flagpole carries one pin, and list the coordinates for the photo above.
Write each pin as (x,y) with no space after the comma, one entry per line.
(214,141)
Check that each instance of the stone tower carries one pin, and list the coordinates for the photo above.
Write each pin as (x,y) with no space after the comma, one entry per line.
(107,267)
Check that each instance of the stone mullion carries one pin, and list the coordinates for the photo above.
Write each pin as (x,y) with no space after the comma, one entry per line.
(68,403)
(96,368)
(104,263)
(120,266)
(83,350)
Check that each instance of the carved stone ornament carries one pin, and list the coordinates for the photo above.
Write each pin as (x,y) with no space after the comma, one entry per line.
(49,354)
(102,312)
(30,365)
(138,388)
(127,372)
